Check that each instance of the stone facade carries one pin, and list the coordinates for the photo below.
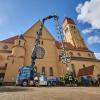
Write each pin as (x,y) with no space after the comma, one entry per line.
(16,51)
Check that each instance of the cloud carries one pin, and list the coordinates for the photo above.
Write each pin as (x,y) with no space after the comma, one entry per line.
(97,55)
(94,39)
(89,12)
(87,30)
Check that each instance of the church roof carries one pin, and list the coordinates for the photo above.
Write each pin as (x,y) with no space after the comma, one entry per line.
(10,40)
(69,20)
(66,44)
(86,71)
(69,46)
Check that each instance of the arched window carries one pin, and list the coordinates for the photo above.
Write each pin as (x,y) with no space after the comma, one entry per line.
(6,65)
(83,65)
(2,76)
(42,42)
(73,70)
(79,54)
(71,53)
(19,42)
(51,71)
(39,42)
(43,70)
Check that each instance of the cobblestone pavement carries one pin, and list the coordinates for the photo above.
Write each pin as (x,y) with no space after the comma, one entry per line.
(49,93)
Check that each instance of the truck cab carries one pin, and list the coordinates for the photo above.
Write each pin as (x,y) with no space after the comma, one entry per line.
(25,76)
(28,77)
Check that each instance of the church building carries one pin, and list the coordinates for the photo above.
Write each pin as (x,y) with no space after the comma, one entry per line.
(16,51)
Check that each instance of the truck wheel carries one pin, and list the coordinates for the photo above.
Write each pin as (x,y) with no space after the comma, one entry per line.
(25,83)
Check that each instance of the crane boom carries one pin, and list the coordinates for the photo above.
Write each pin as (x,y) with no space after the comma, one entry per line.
(39,34)
(28,74)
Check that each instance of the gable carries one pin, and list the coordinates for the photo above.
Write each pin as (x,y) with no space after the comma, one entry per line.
(31,32)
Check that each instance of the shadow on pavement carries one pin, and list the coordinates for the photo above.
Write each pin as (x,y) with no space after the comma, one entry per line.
(12,89)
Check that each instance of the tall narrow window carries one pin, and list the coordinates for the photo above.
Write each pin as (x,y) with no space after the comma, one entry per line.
(51,71)
(83,65)
(43,70)
(5,65)
(2,76)
(42,42)
(73,70)
(19,42)
(39,42)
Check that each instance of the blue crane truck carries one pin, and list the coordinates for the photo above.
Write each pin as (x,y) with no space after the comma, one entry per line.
(28,75)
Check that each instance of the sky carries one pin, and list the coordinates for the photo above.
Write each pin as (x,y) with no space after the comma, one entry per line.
(16,16)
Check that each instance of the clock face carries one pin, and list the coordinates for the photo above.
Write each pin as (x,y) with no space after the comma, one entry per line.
(40,52)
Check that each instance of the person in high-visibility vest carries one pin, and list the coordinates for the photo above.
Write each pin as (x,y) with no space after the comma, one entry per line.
(66,79)
(70,79)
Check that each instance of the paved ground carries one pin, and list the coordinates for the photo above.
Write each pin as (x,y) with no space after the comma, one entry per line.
(50,93)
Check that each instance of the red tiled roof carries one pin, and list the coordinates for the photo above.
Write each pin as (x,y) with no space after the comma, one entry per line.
(69,20)
(10,40)
(68,45)
(86,71)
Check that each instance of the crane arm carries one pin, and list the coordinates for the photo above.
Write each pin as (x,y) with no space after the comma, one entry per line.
(39,34)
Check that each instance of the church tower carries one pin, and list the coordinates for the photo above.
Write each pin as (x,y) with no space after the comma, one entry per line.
(72,34)
(18,49)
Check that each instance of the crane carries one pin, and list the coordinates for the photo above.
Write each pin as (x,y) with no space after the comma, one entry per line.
(27,74)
